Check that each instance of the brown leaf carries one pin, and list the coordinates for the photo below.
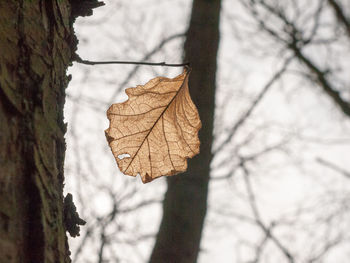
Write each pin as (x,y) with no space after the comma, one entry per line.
(156,129)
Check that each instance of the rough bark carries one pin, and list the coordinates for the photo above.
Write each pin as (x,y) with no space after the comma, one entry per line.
(37,44)
(185,201)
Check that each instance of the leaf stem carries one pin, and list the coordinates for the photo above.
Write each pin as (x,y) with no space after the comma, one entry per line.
(163,64)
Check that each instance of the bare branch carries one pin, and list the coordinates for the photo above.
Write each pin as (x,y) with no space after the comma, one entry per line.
(343,105)
(102,246)
(162,64)
(261,224)
(340,15)
(330,244)
(334,167)
(254,104)
(146,57)
(245,159)
(295,44)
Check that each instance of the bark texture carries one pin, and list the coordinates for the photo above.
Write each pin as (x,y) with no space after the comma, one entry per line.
(185,202)
(37,44)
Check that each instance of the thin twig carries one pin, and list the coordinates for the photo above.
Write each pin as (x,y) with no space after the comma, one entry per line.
(333,167)
(146,57)
(266,229)
(339,11)
(254,104)
(162,64)
(296,43)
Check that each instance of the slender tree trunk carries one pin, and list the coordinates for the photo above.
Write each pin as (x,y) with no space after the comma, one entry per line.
(185,202)
(37,44)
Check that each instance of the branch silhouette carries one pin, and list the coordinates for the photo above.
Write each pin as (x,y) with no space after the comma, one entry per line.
(162,64)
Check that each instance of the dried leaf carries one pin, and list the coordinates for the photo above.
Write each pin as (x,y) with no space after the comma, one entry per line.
(156,129)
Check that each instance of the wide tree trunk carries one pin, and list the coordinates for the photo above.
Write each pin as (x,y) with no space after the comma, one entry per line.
(185,202)
(37,45)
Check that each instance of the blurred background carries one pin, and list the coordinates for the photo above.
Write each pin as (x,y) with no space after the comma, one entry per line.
(279,166)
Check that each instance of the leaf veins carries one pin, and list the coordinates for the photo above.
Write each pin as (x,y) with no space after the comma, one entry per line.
(156,129)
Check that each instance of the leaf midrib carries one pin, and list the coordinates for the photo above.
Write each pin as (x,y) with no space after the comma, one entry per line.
(155,123)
